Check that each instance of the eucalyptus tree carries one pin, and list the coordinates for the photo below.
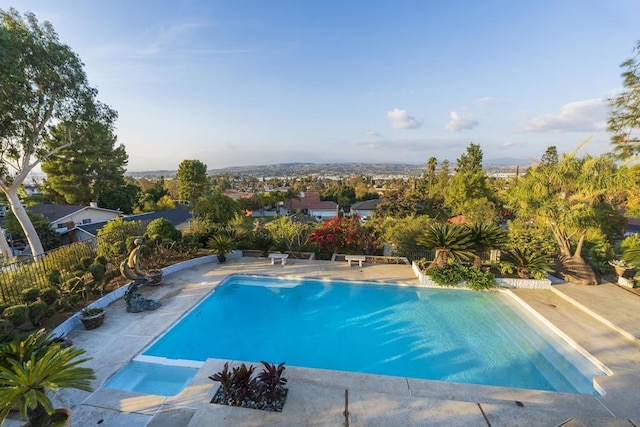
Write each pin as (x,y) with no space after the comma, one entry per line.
(624,118)
(42,86)
(575,198)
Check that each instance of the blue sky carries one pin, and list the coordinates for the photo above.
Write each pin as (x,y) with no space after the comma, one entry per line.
(249,82)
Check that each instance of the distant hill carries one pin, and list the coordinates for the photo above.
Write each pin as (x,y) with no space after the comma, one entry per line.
(508,161)
(337,169)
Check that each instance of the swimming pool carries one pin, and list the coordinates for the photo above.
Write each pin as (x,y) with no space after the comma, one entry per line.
(436,334)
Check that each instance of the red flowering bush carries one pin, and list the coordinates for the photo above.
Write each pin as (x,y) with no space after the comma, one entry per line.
(342,235)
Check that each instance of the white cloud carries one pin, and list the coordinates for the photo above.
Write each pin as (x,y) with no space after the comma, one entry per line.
(580,116)
(400,119)
(459,123)
(371,133)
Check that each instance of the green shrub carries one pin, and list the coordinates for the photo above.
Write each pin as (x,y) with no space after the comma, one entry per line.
(37,311)
(54,277)
(454,273)
(49,295)
(97,271)
(3,307)
(16,314)
(449,275)
(5,328)
(163,228)
(101,259)
(479,279)
(29,295)
(119,248)
(86,261)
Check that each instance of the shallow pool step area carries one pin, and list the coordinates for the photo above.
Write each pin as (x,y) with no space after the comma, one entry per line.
(153,375)
(572,363)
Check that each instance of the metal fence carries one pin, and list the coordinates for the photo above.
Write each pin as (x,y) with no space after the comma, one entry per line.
(34,271)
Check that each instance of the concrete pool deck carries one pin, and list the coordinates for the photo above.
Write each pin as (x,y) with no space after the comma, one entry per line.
(317,397)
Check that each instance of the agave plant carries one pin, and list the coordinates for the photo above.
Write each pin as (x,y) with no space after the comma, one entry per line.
(25,379)
(528,262)
(449,240)
(222,244)
(264,242)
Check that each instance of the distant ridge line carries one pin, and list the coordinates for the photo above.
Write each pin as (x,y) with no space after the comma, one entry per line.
(503,164)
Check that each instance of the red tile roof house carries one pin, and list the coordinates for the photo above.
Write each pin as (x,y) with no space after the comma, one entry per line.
(310,204)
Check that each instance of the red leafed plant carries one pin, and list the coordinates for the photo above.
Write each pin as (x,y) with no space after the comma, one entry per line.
(341,235)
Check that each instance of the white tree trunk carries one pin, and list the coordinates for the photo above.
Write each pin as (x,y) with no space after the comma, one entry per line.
(5,251)
(21,215)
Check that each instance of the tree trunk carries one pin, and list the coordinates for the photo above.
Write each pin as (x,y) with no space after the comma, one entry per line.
(37,417)
(21,215)
(6,254)
(571,266)
(440,259)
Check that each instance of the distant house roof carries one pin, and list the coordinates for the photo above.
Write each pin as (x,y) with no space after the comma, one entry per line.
(459,219)
(633,225)
(55,212)
(365,205)
(236,195)
(311,200)
(179,217)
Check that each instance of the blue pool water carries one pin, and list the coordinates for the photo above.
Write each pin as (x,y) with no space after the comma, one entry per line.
(437,334)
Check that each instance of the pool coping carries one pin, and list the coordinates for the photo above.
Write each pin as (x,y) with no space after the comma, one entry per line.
(150,408)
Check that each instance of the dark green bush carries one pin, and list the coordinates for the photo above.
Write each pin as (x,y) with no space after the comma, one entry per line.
(101,259)
(479,279)
(29,295)
(54,277)
(86,261)
(49,295)
(163,228)
(452,274)
(37,311)
(3,307)
(97,271)
(16,314)
(5,328)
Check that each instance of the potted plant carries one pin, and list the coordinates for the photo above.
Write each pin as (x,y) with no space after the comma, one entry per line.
(155,276)
(222,244)
(622,268)
(29,367)
(92,317)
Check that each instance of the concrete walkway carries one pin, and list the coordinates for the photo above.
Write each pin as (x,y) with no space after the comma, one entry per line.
(317,397)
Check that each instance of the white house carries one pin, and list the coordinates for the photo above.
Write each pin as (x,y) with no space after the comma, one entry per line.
(365,209)
(66,217)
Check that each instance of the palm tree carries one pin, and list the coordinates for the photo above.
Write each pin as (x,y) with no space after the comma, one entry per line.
(222,244)
(484,237)
(575,198)
(527,262)
(449,240)
(24,381)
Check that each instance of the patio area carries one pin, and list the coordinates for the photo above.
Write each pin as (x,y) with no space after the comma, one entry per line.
(601,319)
